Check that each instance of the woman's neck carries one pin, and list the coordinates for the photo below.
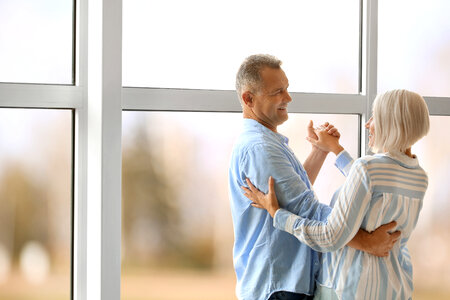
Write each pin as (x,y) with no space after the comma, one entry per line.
(408,152)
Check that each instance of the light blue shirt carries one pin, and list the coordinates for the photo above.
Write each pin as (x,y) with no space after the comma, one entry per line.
(378,190)
(266,259)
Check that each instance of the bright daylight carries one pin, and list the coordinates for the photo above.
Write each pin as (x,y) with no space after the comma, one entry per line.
(122,167)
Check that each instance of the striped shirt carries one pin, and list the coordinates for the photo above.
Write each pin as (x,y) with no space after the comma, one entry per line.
(378,189)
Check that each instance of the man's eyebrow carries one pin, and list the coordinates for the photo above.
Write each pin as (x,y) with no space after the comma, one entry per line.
(280,89)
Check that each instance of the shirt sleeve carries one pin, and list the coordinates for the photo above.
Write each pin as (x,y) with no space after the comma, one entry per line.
(344,162)
(344,220)
(293,193)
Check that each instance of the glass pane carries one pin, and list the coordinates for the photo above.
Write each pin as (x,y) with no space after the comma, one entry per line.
(414,46)
(35,204)
(329,178)
(200,44)
(177,235)
(36,39)
(430,243)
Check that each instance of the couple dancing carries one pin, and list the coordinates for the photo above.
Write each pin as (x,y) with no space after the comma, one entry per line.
(281,229)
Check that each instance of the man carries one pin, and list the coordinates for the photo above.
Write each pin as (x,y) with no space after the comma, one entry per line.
(269,263)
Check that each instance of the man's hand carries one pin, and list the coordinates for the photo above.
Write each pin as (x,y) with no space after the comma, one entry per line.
(325,141)
(327,127)
(315,159)
(378,242)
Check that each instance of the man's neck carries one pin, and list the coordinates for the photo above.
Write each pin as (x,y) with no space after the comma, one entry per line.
(265,124)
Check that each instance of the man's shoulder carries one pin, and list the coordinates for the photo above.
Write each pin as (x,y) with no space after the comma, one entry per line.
(256,141)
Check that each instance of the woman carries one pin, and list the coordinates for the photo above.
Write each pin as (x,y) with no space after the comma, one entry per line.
(378,189)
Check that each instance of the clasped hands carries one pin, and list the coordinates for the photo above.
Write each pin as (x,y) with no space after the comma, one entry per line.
(325,137)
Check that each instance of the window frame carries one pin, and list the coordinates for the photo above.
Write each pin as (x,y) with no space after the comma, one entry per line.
(98,99)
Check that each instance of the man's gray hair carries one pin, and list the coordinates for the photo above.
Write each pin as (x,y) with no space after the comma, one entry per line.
(249,75)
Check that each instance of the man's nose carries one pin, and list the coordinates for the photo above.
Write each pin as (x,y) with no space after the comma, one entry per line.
(288,97)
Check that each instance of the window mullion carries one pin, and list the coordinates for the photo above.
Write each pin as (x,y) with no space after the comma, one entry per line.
(40,96)
(227,101)
(370,55)
(104,129)
(438,106)
(80,269)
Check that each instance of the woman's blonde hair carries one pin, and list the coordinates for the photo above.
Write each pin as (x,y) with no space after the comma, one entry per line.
(401,118)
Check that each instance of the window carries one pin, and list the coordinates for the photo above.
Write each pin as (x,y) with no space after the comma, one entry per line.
(35,204)
(329,178)
(200,44)
(414,46)
(176,226)
(430,242)
(37,41)
(182,56)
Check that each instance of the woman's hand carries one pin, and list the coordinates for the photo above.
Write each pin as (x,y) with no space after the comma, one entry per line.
(329,128)
(267,201)
(325,141)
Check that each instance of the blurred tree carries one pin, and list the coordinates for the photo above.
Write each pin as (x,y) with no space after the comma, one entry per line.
(153,194)
(23,210)
(150,214)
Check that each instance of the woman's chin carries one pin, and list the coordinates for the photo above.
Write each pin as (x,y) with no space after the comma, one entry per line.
(370,143)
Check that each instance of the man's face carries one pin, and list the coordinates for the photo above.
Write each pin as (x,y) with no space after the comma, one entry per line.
(270,102)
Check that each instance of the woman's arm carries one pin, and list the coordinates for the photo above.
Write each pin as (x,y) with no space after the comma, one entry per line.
(343,222)
(378,243)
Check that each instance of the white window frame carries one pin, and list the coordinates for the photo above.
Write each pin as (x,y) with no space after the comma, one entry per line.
(98,98)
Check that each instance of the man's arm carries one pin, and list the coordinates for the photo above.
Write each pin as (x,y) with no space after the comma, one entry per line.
(379,242)
(263,161)
(315,159)
(314,162)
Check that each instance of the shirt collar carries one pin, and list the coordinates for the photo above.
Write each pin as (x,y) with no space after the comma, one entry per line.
(402,158)
(251,123)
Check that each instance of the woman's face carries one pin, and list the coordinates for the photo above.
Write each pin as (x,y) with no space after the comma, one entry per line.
(370,125)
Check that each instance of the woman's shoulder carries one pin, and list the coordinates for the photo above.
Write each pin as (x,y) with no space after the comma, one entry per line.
(367,160)
(375,159)
(370,162)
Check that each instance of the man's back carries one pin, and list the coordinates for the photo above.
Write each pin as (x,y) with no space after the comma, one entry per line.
(267,260)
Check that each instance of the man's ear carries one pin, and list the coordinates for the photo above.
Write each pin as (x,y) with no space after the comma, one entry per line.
(247,98)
